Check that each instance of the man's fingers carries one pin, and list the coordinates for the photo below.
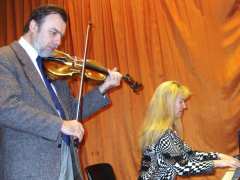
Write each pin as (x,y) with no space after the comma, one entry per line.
(73,128)
(80,132)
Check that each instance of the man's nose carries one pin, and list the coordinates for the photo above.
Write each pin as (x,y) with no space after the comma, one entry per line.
(58,39)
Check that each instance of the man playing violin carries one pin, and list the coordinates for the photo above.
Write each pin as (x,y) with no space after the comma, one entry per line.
(37,125)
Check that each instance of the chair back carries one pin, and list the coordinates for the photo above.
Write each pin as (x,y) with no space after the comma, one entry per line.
(100,171)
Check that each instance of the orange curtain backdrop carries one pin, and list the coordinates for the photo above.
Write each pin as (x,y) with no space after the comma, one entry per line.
(195,42)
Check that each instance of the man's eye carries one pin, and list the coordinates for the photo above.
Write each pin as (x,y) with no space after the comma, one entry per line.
(53,33)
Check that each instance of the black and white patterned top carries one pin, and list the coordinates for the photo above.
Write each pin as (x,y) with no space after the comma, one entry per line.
(170,157)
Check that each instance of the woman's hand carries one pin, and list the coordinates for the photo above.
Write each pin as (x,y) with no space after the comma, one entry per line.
(226,161)
(225,157)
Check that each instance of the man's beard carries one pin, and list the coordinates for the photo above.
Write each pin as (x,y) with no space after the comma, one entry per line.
(41,51)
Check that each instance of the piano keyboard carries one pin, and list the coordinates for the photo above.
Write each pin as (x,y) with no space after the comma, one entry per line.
(232,174)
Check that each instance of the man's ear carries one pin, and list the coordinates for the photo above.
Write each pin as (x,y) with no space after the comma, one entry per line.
(33,26)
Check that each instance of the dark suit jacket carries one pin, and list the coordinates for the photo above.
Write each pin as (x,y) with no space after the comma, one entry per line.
(29,124)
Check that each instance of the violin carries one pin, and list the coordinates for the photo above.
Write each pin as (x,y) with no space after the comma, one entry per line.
(62,65)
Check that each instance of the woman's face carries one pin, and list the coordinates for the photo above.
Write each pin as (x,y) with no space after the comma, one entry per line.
(180,106)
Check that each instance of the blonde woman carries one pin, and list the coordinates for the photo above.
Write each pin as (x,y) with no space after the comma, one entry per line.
(165,155)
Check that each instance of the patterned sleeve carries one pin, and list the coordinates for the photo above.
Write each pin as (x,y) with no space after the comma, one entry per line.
(194,168)
(203,156)
(198,155)
(196,162)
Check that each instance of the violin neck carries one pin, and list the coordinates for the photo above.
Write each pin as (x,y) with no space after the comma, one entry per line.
(96,68)
(127,78)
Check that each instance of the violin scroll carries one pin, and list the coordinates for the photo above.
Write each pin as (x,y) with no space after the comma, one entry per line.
(136,87)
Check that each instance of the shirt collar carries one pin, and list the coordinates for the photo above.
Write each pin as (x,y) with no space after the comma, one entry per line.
(32,53)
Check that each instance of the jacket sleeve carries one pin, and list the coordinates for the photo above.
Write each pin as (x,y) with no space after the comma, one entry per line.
(91,103)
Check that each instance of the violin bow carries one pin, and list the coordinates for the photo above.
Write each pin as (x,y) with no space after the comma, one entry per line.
(79,107)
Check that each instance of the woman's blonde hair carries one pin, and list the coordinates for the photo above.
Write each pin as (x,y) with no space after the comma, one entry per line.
(160,114)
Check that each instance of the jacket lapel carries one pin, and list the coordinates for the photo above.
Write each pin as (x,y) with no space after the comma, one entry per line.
(32,73)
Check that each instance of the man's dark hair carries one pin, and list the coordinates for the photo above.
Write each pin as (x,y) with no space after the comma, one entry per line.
(41,12)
